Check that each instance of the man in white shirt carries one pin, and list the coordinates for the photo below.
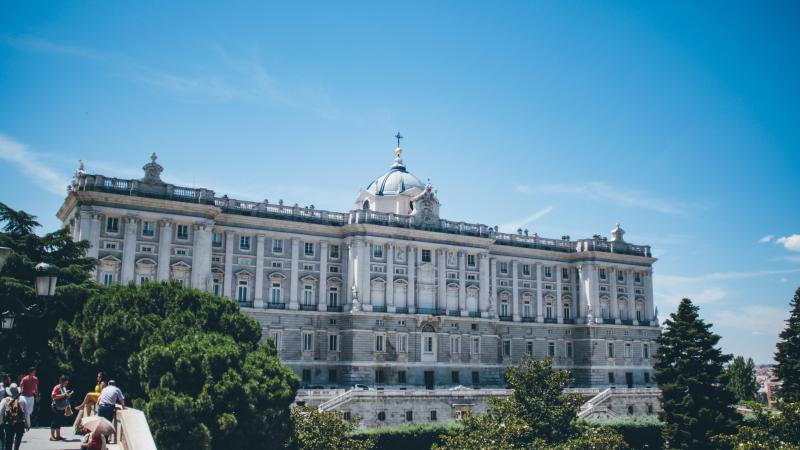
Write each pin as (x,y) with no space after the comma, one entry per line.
(107,403)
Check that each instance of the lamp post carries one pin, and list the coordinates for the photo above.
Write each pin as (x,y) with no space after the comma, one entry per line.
(45,284)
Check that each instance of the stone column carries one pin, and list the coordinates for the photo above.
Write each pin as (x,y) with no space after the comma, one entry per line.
(515,291)
(539,287)
(80,218)
(648,295)
(94,236)
(294,301)
(129,250)
(350,270)
(483,276)
(631,297)
(258,299)
(613,297)
(201,256)
(441,280)
(493,289)
(595,292)
(411,301)
(365,275)
(164,248)
(227,283)
(559,299)
(585,273)
(390,306)
(462,283)
(322,303)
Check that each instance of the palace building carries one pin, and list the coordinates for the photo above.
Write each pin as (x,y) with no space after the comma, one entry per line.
(388,294)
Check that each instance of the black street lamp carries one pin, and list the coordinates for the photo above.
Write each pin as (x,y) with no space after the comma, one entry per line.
(45,284)
(46,279)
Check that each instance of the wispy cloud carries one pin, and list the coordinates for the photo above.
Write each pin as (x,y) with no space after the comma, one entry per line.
(30,165)
(513,226)
(791,243)
(705,288)
(766,239)
(232,75)
(756,320)
(598,190)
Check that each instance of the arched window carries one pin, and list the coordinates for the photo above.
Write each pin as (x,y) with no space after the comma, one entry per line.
(548,309)
(365,205)
(566,310)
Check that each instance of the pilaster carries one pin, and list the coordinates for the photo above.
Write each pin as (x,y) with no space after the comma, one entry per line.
(539,287)
(462,283)
(559,296)
(631,297)
(322,303)
(613,297)
(164,248)
(258,298)
(441,279)
(483,279)
(411,257)
(390,306)
(227,284)
(294,301)
(201,256)
(515,291)
(129,250)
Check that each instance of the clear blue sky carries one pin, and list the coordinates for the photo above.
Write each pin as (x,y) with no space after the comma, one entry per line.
(680,120)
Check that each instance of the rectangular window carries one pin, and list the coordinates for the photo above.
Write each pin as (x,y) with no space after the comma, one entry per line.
(108,279)
(428,348)
(216,259)
(216,286)
(628,351)
(306,375)
(645,351)
(216,239)
(275,336)
(611,378)
(610,350)
(548,272)
(471,276)
(147,249)
(526,309)
(647,377)
(277,264)
(333,269)
(377,251)
(379,376)
(569,349)
(476,377)
(503,267)
(455,345)
(308,248)
(401,376)
(454,377)
(620,276)
(334,252)
(333,296)
(476,345)
(183,232)
(526,269)
(551,349)
(471,260)
(275,293)
(308,267)
(603,275)
(564,273)
(400,270)
(148,229)
(433,415)
(180,251)
(379,343)
(112,225)
(402,343)
(242,291)
(308,341)
(426,255)
(637,277)
(244,242)
(277,246)
(308,295)
(333,342)
(409,416)
(507,347)
(346,416)
(529,348)
(377,268)
(332,376)
(111,245)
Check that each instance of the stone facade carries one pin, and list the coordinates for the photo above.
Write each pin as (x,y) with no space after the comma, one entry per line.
(387,294)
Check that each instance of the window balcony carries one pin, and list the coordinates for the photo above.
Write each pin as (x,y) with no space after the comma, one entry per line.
(401,310)
(645,323)
(572,321)
(431,311)
(475,314)
(272,305)
(378,308)
(308,307)
(245,304)
(626,322)
(529,319)
(334,308)
(550,320)
(609,321)
(454,313)
(505,318)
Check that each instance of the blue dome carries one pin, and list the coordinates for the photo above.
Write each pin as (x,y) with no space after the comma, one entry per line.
(396,181)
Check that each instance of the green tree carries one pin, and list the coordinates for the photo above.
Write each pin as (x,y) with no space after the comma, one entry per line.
(538,414)
(787,358)
(696,405)
(768,431)
(28,344)
(190,360)
(318,430)
(741,376)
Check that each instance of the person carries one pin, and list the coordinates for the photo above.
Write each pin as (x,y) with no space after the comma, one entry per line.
(30,393)
(3,385)
(90,400)
(13,417)
(60,396)
(107,403)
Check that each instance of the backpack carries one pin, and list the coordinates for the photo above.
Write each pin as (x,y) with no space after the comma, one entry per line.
(13,414)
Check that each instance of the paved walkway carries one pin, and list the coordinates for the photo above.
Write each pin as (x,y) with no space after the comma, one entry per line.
(39,439)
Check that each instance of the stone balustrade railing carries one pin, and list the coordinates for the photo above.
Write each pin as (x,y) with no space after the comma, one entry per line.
(100,183)
(133,433)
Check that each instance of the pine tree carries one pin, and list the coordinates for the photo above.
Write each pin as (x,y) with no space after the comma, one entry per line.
(742,378)
(696,404)
(788,355)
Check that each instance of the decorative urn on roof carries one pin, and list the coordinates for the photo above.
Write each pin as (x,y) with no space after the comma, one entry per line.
(152,171)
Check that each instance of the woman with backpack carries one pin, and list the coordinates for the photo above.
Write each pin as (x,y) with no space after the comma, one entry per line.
(14,419)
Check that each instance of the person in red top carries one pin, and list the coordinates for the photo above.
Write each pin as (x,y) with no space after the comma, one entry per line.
(30,393)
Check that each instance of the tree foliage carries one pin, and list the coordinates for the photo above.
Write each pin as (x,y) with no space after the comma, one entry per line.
(191,360)
(768,431)
(538,414)
(696,405)
(787,358)
(741,376)
(318,430)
